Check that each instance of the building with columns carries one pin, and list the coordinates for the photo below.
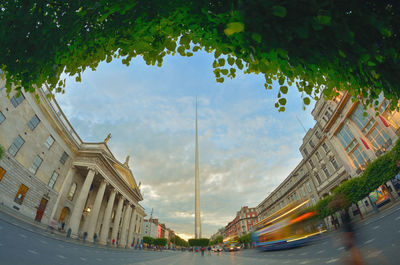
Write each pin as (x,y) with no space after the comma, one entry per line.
(50,175)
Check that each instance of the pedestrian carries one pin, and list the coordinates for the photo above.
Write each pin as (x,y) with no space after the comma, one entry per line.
(62,226)
(349,239)
(84,237)
(113,242)
(209,250)
(132,245)
(202,250)
(69,232)
(94,238)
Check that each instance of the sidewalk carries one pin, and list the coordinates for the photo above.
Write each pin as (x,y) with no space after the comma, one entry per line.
(17,219)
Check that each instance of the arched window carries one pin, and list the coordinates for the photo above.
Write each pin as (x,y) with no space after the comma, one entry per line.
(72,191)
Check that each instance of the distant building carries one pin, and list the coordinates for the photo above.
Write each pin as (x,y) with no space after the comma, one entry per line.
(242,223)
(149,228)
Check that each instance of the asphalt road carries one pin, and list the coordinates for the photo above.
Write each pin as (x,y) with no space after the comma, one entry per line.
(378,241)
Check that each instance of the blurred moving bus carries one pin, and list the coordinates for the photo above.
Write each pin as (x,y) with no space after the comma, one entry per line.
(231,243)
(292,226)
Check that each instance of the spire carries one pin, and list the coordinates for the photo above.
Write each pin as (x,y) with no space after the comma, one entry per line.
(197,227)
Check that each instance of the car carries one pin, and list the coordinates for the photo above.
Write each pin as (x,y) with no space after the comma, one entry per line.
(218,249)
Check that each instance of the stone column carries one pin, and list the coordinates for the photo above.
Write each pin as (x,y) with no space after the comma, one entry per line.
(94,214)
(80,203)
(131,228)
(107,218)
(62,194)
(117,218)
(125,223)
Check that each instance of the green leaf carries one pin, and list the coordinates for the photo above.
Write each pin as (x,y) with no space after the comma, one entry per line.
(341,53)
(370,63)
(306,101)
(282,101)
(281,80)
(231,61)
(324,20)
(257,37)
(224,71)
(221,61)
(279,11)
(284,89)
(277,105)
(233,27)
(220,80)
(281,109)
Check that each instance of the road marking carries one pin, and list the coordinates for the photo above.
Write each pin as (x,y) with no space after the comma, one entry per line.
(321,251)
(43,242)
(22,235)
(286,262)
(341,248)
(369,241)
(374,254)
(376,227)
(32,251)
(61,256)
(331,261)
(304,253)
(305,262)
(82,258)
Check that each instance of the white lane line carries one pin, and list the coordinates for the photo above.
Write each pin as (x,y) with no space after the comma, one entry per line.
(43,242)
(32,251)
(82,258)
(341,248)
(61,256)
(331,261)
(321,251)
(369,241)
(376,227)
(22,235)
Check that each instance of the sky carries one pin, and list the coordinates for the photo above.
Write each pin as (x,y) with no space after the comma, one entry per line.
(246,147)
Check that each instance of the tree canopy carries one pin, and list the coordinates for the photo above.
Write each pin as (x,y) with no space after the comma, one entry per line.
(332,44)
(198,242)
(178,241)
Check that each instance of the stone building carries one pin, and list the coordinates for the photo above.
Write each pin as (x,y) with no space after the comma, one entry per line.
(344,139)
(48,173)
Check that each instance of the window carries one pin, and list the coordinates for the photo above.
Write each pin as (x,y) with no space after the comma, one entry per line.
(328,114)
(2,172)
(53,180)
(33,122)
(71,194)
(37,161)
(318,179)
(378,137)
(2,117)
(64,158)
(311,163)
(361,118)
(359,157)
(326,149)
(17,100)
(313,200)
(303,191)
(308,187)
(346,138)
(318,155)
(297,195)
(305,151)
(16,145)
(49,142)
(317,135)
(326,172)
(311,144)
(334,164)
(19,197)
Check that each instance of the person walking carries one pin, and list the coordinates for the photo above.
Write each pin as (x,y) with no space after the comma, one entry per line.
(113,242)
(94,238)
(209,250)
(84,237)
(202,250)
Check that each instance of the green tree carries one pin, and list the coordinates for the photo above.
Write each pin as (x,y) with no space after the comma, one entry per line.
(245,239)
(179,241)
(347,45)
(198,242)
(148,240)
(160,241)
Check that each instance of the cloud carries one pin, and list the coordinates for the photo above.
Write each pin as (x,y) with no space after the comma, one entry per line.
(246,147)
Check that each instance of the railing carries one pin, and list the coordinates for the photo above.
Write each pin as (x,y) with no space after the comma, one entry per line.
(61,117)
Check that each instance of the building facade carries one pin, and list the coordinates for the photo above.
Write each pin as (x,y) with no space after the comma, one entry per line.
(242,224)
(50,175)
(345,138)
